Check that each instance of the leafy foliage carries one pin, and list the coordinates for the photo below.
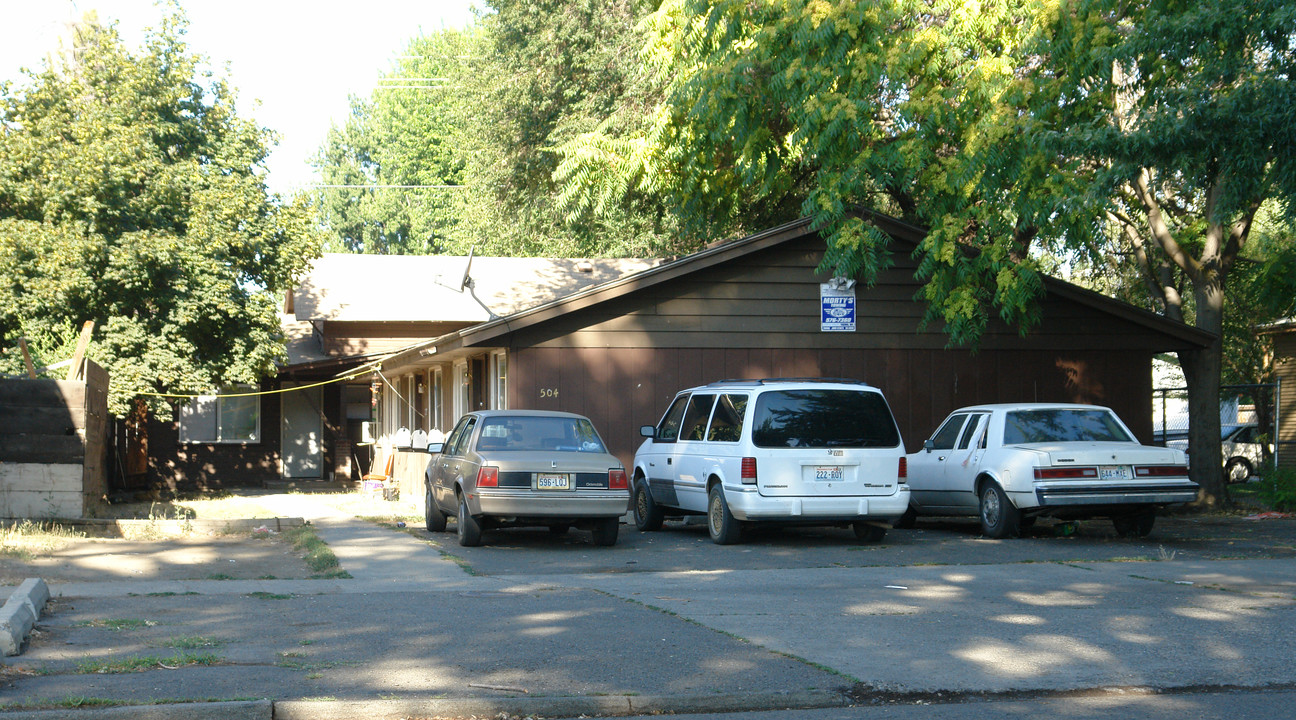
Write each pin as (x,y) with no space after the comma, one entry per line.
(132,196)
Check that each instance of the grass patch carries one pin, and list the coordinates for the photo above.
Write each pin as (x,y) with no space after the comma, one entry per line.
(73,702)
(317,555)
(117,624)
(220,576)
(170,594)
(27,540)
(289,663)
(262,595)
(193,642)
(144,663)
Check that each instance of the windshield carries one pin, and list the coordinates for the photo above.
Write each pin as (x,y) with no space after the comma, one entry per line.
(521,433)
(1063,425)
(823,418)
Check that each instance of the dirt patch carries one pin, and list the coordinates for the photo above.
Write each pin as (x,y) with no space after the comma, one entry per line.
(219,557)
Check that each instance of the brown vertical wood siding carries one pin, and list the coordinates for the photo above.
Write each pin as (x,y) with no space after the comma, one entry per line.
(621,362)
(1285,370)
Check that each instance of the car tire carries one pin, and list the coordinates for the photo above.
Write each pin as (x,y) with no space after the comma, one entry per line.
(721,524)
(559,529)
(435,519)
(1136,525)
(648,515)
(605,531)
(906,521)
(470,530)
(868,532)
(999,517)
(1238,470)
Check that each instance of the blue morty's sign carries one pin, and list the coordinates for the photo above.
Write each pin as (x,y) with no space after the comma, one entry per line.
(838,309)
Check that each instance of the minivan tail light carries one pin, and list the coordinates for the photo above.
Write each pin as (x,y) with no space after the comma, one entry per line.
(617,479)
(749,471)
(1066,473)
(488,477)
(904,469)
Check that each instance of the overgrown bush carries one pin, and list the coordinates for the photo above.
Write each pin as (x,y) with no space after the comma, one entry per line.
(1277,489)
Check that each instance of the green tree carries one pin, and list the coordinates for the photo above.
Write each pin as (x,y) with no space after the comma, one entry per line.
(133,195)
(1179,118)
(397,163)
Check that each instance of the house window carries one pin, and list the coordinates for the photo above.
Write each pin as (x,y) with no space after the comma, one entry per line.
(463,388)
(499,379)
(435,401)
(227,418)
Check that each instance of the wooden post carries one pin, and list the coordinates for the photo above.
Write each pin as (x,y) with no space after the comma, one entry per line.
(31,370)
(78,357)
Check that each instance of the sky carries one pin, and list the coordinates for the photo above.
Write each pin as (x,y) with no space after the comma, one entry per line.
(301,60)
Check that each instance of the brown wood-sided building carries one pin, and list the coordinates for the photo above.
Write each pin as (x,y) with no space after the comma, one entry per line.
(752,308)
(1284,340)
(310,422)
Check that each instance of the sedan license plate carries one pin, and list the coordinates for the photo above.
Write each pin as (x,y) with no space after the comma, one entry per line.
(553,481)
(835,472)
(1113,472)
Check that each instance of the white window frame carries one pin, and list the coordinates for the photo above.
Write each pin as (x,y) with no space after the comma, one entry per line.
(188,433)
(434,399)
(462,389)
(499,380)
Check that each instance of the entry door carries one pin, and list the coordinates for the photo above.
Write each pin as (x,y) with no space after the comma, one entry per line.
(303,454)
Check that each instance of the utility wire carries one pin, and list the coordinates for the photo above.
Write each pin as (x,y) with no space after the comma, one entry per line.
(349,376)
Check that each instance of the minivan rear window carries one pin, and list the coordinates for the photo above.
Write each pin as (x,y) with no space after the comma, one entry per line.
(823,418)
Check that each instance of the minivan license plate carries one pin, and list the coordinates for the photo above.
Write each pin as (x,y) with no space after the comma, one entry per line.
(829,473)
(1113,472)
(553,481)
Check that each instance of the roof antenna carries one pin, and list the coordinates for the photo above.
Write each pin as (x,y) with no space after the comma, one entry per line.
(467,282)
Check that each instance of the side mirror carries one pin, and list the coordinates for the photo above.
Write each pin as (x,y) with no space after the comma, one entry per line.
(435,448)
(928,445)
(648,431)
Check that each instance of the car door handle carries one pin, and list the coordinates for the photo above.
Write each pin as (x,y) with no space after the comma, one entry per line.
(669,460)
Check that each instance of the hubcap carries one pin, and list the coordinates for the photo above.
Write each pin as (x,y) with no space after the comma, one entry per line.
(990,506)
(641,503)
(715,515)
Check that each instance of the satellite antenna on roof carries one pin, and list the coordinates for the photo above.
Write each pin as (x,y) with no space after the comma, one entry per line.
(467,283)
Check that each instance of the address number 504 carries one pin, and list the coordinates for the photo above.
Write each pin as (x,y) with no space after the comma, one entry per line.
(548,392)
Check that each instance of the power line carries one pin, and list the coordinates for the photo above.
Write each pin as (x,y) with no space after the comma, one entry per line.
(394,187)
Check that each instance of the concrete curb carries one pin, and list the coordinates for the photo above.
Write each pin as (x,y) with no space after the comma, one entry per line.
(20,613)
(242,710)
(574,706)
(180,527)
(450,708)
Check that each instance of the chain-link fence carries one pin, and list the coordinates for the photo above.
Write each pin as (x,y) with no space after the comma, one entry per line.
(1248,421)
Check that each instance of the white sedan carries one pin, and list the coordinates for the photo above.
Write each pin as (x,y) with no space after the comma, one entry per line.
(1009,464)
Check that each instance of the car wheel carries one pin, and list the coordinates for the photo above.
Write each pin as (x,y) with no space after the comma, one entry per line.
(559,529)
(648,515)
(906,521)
(723,526)
(436,520)
(868,532)
(1238,470)
(470,531)
(1136,525)
(605,531)
(999,517)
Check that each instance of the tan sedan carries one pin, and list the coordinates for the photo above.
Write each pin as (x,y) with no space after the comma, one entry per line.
(513,468)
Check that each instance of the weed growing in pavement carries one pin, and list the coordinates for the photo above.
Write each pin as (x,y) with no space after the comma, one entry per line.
(262,595)
(220,576)
(25,540)
(193,642)
(117,624)
(74,701)
(144,663)
(318,556)
(170,594)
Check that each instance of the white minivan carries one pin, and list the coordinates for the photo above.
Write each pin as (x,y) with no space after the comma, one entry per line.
(800,451)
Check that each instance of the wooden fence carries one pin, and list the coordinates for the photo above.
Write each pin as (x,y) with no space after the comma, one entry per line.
(53,449)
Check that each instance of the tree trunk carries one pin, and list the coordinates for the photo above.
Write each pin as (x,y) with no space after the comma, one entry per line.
(1202,374)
